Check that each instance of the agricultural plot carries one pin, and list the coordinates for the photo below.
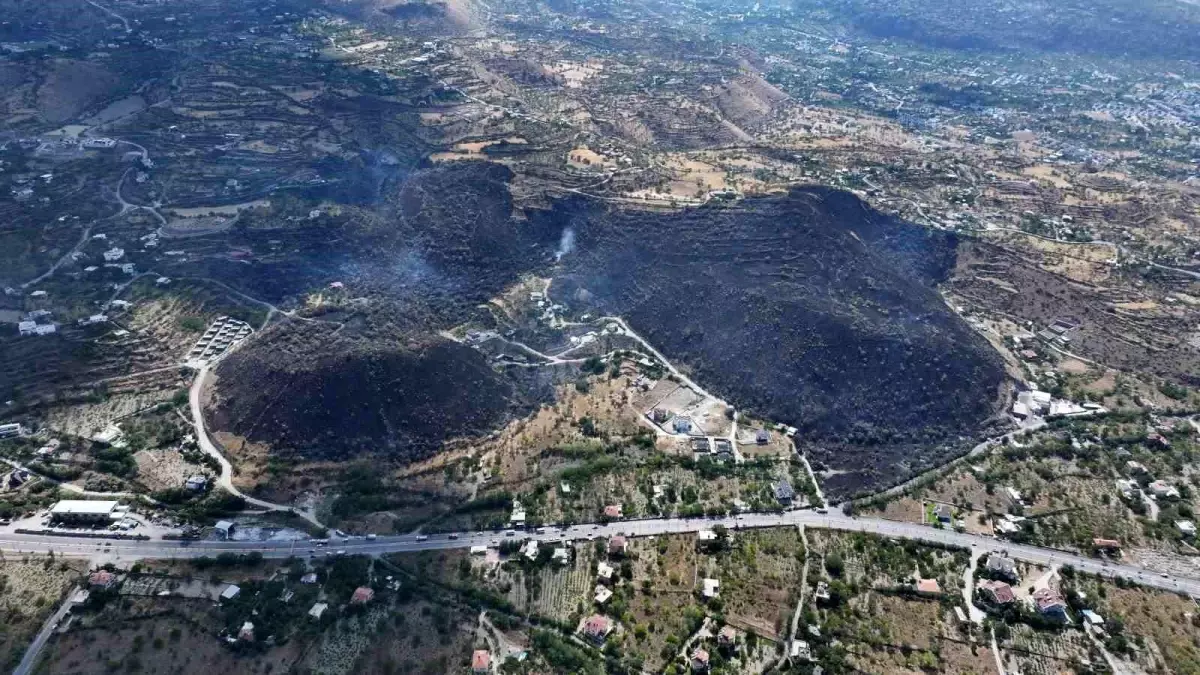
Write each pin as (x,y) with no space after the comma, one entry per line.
(30,590)
(760,578)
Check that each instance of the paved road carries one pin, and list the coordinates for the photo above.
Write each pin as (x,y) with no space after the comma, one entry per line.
(30,658)
(225,480)
(14,543)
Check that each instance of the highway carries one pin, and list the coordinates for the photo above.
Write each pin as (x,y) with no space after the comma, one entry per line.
(133,550)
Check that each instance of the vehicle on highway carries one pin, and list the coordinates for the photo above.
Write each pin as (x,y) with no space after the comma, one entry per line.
(341,552)
(372,537)
(454,536)
(541,530)
(510,533)
(422,537)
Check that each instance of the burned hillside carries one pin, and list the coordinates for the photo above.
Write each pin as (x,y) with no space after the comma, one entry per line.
(318,391)
(810,309)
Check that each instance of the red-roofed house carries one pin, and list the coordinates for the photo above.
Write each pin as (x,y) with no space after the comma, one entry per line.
(362,595)
(928,586)
(1050,604)
(997,592)
(617,545)
(699,661)
(597,627)
(102,579)
(613,511)
(481,662)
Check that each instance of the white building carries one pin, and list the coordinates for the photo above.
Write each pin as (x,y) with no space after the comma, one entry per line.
(114,254)
(230,592)
(712,588)
(1186,527)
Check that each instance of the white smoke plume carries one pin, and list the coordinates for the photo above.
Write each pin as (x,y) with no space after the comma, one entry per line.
(566,244)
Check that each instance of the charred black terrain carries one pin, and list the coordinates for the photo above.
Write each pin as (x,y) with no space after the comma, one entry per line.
(809,309)
(318,392)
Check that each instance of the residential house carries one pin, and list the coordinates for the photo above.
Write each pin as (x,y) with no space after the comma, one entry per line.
(712,588)
(561,555)
(196,483)
(317,610)
(822,592)
(231,591)
(784,494)
(928,587)
(997,592)
(114,254)
(613,511)
(801,651)
(1163,490)
(706,537)
(1128,488)
(1002,566)
(1186,527)
(310,578)
(727,637)
(682,425)
(246,634)
(604,570)
(597,627)
(701,445)
(102,579)
(602,594)
(225,527)
(944,513)
(26,327)
(362,595)
(1157,440)
(1106,545)
(481,662)
(530,550)
(617,545)
(762,437)
(1091,618)
(1050,604)
(699,661)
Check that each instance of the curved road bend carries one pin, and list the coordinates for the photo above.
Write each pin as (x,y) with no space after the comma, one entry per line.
(225,480)
(131,550)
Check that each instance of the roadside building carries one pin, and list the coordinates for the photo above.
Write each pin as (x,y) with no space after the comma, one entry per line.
(1186,527)
(10,430)
(1106,545)
(83,512)
(944,513)
(762,437)
(613,511)
(617,545)
(196,483)
(1002,566)
(784,494)
(225,527)
(246,634)
(102,579)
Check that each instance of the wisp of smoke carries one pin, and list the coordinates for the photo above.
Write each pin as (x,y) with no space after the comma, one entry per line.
(566,244)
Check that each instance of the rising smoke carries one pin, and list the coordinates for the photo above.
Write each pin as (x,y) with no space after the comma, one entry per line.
(566,244)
